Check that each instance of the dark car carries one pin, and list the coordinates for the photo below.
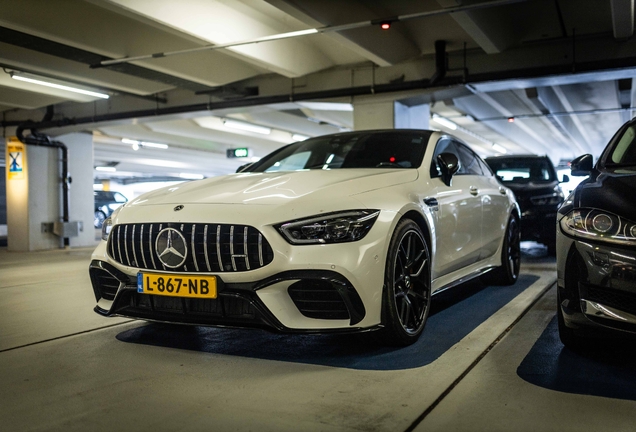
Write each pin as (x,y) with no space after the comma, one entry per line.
(534,181)
(106,202)
(596,245)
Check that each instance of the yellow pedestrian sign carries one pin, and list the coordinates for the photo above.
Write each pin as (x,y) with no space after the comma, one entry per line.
(16,159)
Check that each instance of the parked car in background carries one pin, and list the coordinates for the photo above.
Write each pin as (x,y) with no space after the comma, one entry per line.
(346,232)
(106,202)
(533,179)
(596,244)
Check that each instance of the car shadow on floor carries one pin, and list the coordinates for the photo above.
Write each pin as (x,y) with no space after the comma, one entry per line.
(454,314)
(605,368)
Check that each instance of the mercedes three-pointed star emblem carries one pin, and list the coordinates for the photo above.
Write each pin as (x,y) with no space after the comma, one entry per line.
(171,248)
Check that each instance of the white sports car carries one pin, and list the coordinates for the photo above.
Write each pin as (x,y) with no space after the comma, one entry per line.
(345,232)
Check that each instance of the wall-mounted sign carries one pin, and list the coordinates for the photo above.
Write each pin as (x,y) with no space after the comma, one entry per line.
(16,159)
(238,153)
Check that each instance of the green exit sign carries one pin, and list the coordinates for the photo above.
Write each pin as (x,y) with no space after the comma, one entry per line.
(238,153)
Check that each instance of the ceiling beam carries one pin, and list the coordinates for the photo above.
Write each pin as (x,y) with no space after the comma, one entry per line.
(623,18)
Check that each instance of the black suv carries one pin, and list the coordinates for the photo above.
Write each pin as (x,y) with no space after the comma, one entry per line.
(534,181)
(106,202)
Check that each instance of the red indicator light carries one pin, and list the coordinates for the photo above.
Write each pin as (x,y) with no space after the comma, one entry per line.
(511,119)
(385,25)
(391,159)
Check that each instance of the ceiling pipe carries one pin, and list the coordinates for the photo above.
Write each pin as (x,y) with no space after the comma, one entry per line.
(440,61)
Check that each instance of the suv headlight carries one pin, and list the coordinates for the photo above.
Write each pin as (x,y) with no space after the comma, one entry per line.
(599,225)
(337,227)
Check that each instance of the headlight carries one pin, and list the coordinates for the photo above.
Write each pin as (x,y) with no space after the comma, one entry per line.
(338,227)
(107,226)
(599,225)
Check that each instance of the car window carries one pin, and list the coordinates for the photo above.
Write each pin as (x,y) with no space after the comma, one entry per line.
(625,150)
(120,198)
(293,162)
(523,169)
(394,149)
(469,160)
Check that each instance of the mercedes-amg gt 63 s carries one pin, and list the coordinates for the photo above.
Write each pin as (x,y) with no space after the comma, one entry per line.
(346,232)
(596,246)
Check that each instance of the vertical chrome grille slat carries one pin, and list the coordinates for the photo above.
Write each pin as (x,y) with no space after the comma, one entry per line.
(141,246)
(218,246)
(247,255)
(232,247)
(128,241)
(194,250)
(205,247)
(152,254)
(260,249)
(133,247)
(119,244)
(126,245)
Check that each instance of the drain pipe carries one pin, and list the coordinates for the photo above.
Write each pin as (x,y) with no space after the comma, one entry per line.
(42,140)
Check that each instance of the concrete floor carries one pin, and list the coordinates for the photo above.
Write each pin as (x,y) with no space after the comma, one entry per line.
(63,367)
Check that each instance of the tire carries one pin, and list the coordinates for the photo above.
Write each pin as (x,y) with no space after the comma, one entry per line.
(100,217)
(407,285)
(508,272)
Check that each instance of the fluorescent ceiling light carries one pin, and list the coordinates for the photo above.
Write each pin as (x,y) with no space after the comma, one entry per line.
(58,86)
(189,176)
(105,168)
(136,144)
(498,148)
(154,145)
(249,127)
(299,137)
(444,122)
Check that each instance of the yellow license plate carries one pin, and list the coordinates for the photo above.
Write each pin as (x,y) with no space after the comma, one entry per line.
(176,285)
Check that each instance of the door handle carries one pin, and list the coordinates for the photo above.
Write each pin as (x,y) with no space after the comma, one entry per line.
(474,191)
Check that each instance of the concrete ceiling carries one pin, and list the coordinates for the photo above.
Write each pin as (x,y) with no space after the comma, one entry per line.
(549,77)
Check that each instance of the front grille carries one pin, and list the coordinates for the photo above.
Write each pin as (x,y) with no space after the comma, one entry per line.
(210,247)
(621,300)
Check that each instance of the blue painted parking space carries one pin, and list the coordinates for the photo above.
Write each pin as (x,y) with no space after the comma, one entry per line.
(454,314)
(606,369)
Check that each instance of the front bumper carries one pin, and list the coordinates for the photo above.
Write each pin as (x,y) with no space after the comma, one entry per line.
(321,295)
(307,288)
(597,284)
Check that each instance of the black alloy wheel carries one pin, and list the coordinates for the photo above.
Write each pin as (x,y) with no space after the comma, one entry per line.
(508,272)
(407,290)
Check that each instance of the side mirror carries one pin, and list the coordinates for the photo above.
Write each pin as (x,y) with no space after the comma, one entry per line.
(582,165)
(565,179)
(449,165)
(243,167)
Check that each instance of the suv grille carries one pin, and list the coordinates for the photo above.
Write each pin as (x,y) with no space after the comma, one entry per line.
(209,247)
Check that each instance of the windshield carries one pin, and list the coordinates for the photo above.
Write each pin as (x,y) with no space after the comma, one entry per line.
(522,170)
(391,149)
(624,152)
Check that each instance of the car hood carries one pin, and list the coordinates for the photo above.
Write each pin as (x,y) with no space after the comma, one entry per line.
(611,190)
(277,188)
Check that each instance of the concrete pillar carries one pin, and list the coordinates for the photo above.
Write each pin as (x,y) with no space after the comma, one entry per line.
(412,117)
(34,194)
(389,114)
